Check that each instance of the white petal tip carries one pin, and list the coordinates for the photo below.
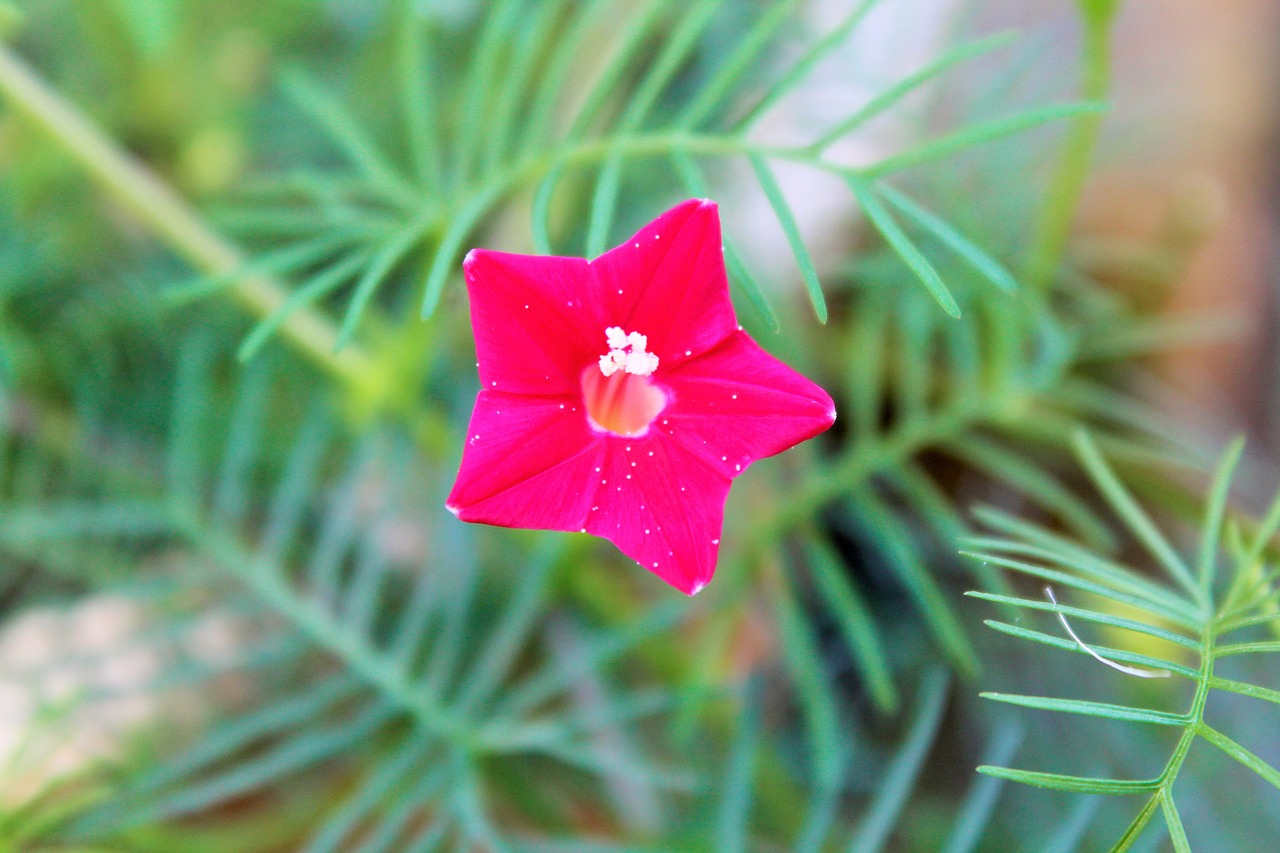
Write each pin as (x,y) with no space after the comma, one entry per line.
(454,509)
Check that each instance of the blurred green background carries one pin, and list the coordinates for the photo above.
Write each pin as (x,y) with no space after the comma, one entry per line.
(1025,246)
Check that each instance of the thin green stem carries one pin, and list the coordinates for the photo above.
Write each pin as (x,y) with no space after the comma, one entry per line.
(170,218)
(1065,187)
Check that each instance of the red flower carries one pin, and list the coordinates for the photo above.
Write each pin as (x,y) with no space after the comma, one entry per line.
(620,397)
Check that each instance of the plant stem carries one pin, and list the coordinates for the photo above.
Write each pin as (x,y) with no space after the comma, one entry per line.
(1063,195)
(169,217)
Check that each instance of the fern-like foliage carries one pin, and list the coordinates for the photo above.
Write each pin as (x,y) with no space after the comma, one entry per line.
(512,116)
(412,686)
(1196,610)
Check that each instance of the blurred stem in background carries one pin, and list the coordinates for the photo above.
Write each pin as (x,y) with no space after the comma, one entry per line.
(173,219)
(1063,196)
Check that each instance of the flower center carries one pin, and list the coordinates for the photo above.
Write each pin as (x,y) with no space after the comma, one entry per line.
(619,396)
(627,353)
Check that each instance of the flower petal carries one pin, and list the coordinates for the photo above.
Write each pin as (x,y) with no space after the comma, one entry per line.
(535,321)
(668,282)
(528,462)
(663,507)
(736,404)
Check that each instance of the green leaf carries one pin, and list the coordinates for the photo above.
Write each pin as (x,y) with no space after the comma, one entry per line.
(855,622)
(805,64)
(1092,709)
(979,804)
(900,777)
(1108,652)
(734,819)
(897,546)
(739,273)
(791,229)
(978,134)
(1244,689)
(1215,509)
(1074,784)
(1035,483)
(346,131)
(1127,508)
(1174,821)
(1094,616)
(901,243)
(446,253)
(895,93)
(968,251)
(380,266)
(1239,753)
(320,285)
(739,63)
(804,665)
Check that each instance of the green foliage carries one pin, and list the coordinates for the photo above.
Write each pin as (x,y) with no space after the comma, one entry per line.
(323,659)
(1198,608)
(498,138)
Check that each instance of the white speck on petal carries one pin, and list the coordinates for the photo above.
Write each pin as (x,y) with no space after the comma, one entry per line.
(715,541)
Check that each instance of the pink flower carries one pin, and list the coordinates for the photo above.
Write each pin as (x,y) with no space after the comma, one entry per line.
(620,397)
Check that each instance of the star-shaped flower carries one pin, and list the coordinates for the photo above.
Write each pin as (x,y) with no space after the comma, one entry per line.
(619,396)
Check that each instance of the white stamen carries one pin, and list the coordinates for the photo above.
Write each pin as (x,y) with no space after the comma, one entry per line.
(627,352)
(1128,670)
